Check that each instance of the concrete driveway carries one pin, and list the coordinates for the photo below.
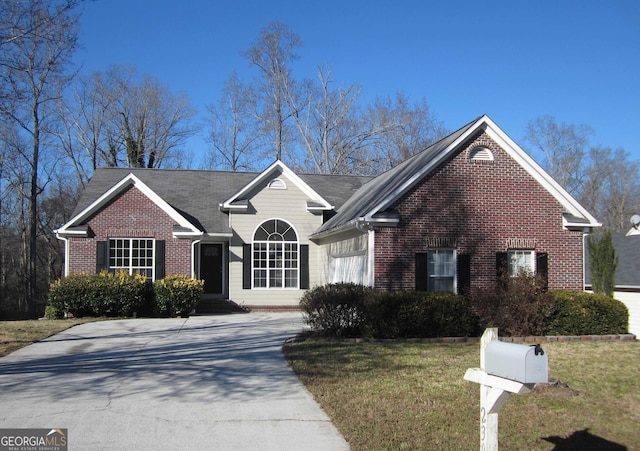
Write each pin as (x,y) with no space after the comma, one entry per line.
(206,382)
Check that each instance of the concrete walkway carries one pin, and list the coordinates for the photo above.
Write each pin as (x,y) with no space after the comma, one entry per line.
(206,382)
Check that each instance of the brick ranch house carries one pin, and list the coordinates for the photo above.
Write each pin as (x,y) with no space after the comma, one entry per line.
(446,219)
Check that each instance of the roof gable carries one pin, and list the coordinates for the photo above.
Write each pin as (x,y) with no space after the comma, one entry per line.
(74,227)
(238,201)
(368,205)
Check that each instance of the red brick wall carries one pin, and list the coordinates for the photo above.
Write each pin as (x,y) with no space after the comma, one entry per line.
(130,215)
(479,206)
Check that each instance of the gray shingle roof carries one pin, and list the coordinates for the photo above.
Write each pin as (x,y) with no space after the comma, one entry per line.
(388,183)
(196,194)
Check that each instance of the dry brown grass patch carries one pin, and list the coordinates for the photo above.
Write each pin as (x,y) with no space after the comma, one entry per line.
(412,395)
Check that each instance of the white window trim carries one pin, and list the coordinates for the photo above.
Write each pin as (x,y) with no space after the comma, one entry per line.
(253,267)
(130,268)
(454,263)
(511,252)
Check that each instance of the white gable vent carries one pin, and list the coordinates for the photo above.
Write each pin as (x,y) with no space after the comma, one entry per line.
(277,184)
(480,153)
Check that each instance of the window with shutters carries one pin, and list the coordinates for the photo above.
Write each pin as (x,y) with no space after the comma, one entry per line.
(441,270)
(275,255)
(519,261)
(132,255)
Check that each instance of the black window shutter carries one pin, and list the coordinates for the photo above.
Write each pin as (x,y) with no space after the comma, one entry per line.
(422,261)
(102,256)
(304,266)
(160,259)
(464,273)
(542,268)
(502,267)
(246,266)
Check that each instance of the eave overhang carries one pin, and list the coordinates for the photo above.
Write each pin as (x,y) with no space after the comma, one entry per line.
(361,224)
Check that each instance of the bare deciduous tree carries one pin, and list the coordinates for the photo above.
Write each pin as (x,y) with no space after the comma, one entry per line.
(272,53)
(331,137)
(407,129)
(115,119)
(235,132)
(38,40)
(605,181)
(611,188)
(563,148)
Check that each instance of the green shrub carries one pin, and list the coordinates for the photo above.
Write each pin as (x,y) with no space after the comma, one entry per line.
(335,309)
(414,314)
(104,294)
(350,310)
(50,312)
(580,313)
(177,295)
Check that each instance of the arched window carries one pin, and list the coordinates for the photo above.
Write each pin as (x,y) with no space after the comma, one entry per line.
(275,255)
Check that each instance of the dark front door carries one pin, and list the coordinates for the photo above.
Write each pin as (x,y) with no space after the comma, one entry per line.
(211,267)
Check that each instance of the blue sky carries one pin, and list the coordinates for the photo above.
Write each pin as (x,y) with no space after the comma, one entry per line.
(578,61)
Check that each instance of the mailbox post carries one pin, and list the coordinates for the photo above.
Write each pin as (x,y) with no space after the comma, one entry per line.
(505,368)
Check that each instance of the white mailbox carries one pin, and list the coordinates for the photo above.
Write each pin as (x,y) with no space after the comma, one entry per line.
(523,363)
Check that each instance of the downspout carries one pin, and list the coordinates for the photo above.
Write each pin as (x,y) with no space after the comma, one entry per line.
(584,262)
(66,252)
(371,257)
(364,226)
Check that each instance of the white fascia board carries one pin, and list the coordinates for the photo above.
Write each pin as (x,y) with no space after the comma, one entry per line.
(117,188)
(540,175)
(392,222)
(319,208)
(193,235)
(217,237)
(346,227)
(225,206)
(306,189)
(392,197)
(68,233)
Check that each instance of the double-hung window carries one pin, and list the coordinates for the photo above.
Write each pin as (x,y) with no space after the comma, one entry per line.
(275,255)
(441,270)
(132,255)
(520,261)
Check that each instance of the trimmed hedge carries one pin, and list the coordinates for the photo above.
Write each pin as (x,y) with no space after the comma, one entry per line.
(520,308)
(336,309)
(580,313)
(350,310)
(177,295)
(418,314)
(121,294)
(104,294)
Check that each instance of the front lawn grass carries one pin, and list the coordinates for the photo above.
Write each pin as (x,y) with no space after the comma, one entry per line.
(17,334)
(394,396)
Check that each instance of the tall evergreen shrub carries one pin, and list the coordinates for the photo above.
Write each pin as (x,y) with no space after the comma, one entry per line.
(603,262)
